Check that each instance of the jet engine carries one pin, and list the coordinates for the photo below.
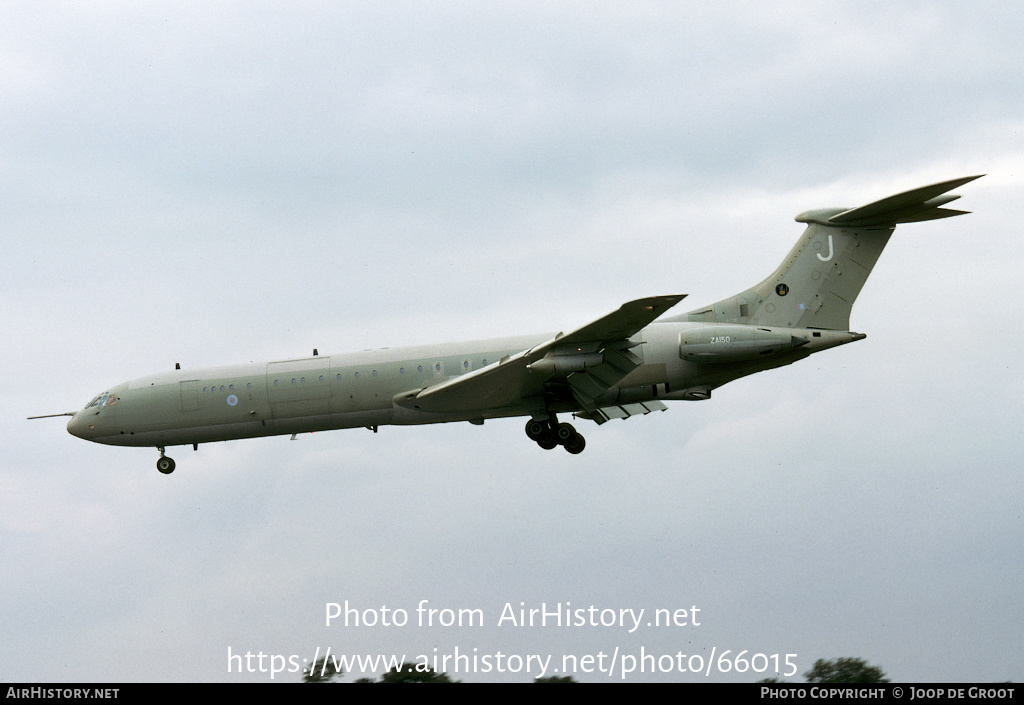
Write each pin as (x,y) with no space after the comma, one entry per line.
(723,342)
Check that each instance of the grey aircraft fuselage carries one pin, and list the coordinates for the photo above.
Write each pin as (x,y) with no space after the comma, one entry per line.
(623,364)
(354,390)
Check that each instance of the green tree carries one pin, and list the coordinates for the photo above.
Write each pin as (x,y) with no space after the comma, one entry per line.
(322,671)
(409,673)
(845,670)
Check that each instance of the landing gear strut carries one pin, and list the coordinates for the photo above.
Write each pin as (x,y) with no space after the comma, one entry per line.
(549,433)
(164,464)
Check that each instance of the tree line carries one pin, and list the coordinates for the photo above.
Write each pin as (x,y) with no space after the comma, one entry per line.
(840,670)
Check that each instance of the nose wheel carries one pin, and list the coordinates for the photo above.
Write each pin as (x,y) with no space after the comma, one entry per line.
(549,433)
(164,464)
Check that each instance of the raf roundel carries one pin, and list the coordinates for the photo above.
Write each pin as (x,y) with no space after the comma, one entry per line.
(232,400)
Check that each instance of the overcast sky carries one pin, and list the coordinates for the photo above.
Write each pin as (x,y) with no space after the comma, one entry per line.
(212,183)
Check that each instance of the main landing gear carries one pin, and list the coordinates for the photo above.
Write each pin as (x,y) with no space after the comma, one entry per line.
(550,433)
(163,463)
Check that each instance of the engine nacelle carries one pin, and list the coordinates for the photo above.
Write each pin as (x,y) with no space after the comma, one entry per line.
(726,342)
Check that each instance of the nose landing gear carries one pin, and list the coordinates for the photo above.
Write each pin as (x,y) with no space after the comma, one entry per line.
(549,433)
(164,464)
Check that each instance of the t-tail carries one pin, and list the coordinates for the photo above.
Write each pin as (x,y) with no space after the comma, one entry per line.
(819,280)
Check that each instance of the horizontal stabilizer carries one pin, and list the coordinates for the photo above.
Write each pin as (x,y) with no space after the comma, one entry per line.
(908,207)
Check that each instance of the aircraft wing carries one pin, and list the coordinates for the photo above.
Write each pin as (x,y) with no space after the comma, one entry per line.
(592,358)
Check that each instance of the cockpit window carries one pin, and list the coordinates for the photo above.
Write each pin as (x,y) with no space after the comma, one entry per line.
(102,400)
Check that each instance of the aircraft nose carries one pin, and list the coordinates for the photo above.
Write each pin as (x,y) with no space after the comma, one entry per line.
(78,426)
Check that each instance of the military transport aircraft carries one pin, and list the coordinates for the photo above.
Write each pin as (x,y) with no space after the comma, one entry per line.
(625,363)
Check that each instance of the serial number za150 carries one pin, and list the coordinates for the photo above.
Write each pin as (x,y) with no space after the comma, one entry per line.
(721,339)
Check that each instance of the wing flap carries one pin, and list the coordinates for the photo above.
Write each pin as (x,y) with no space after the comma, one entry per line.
(606,413)
(588,385)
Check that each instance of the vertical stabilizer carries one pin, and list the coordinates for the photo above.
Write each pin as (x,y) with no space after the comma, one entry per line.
(818,282)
